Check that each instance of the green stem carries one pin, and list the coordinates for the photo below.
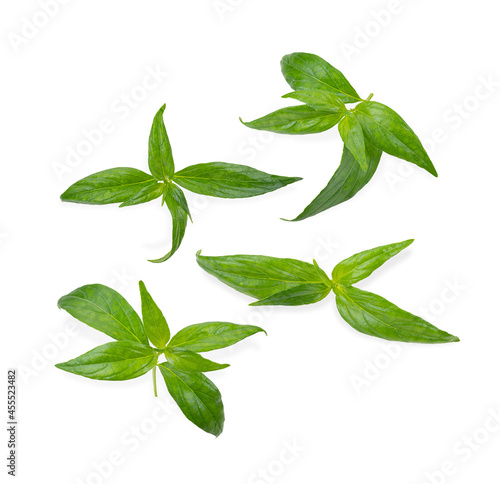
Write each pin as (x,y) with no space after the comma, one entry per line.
(154,381)
(369,97)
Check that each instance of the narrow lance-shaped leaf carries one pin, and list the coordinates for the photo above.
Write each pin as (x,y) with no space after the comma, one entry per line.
(197,397)
(117,361)
(296,120)
(389,132)
(179,197)
(226,180)
(211,336)
(187,360)
(308,71)
(155,323)
(352,135)
(102,308)
(375,316)
(115,185)
(160,159)
(257,275)
(348,180)
(318,99)
(296,296)
(179,220)
(361,265)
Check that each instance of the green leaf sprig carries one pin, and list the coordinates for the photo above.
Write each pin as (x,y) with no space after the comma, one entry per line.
(132,355)
(290,282)
(367,130)
(130,186)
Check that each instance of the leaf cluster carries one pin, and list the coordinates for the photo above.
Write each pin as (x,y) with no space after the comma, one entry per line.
(289,282)
(130,186)
(367,129)
(140,344)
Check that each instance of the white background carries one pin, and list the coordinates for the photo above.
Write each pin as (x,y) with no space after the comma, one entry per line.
(314,384)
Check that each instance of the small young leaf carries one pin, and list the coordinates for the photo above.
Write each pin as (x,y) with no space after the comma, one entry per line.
(257,275)
(179,219)
(318,99)
(308,71)
(197,397)
(102,308)
(155,323)
(225,180)
(187,360)
(178,195)
(296,296)
(115,185)
(361,265)
(148,193)
(348,180)
(296,120)
(375,316)
(388,131)
(322,275)
(160,159)
(121,360)
(351,133)
(211,336)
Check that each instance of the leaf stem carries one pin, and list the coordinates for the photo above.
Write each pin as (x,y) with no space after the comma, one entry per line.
(369,97)
(154,381)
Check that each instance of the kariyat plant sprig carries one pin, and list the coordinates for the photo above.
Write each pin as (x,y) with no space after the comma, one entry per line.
(367,130)
(290,282)
(130,186)
(132,355)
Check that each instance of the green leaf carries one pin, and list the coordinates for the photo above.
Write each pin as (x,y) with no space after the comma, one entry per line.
(351,133)
(117,361)
(348,180)
(187,360)
(115,185)
(155,323)
(148,193)
(308,71)
(388,131)
(226,180)
(178,195)
(198,398)
(318,99)
(296,120)
(322,274)
(296,296)
(257,275)
(102,308)
(211,336)
(375,316)
(361,265)
(179,219)
(160,159)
